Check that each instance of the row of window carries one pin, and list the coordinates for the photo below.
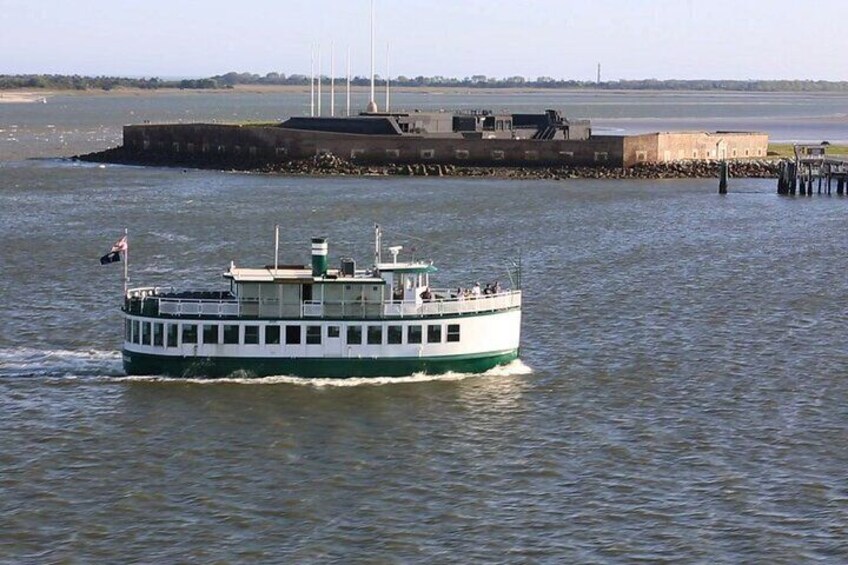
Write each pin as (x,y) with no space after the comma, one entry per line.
(161,334)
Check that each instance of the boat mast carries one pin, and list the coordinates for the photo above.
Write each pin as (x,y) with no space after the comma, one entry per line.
(276,247)
(378,236)
(387,77)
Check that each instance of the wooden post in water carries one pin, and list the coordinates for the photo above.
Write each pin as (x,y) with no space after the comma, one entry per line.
(840,186)
(722,179)
(793,178)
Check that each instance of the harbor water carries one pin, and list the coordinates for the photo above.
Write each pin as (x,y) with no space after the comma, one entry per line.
(681,394)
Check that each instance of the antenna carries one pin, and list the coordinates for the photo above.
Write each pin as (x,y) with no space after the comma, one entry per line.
(387,77)
(332,79)
(372,104)
(312,82)
(319,80)
(348,80)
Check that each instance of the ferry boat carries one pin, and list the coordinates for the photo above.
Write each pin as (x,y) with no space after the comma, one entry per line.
(317,321)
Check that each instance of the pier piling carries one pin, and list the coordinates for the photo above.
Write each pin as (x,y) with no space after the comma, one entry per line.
(722,181)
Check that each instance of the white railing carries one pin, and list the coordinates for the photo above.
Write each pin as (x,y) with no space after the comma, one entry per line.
(198,307)
(393,309)
(450,306)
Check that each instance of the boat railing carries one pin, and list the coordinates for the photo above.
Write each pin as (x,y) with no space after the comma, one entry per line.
(198,307)
(454,305)
(149,301)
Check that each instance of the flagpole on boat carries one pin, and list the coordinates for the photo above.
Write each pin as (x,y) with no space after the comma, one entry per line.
(276,247)
(126,261)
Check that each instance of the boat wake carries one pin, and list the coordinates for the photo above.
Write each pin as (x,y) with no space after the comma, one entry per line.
(23,362)
(515,368)
(29,362)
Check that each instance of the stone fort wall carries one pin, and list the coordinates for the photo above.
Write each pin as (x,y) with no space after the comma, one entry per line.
(269,144)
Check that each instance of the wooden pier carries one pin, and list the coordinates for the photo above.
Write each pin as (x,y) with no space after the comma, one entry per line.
(813,168)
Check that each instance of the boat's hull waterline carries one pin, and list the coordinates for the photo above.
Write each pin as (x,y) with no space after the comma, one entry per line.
(341,367)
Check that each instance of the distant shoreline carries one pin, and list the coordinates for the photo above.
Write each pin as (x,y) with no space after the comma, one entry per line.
(30,95)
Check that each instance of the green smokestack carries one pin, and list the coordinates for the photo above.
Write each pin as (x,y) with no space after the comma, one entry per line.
(319,256)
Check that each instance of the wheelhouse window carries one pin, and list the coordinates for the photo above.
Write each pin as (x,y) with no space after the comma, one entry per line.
(375,335)
(158,331)
(395,335)
(210,333)
(313,335)
(272,335)
(354,335)
(453,332)
(293,335)
(231,334)
(189,333)
(145,333)
(434,333)
(136,333)
(413,334)
(332,331)
(251,335)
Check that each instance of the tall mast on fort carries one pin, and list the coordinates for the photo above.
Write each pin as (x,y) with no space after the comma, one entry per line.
(372,104)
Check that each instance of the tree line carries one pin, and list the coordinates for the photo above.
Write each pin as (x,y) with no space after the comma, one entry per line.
(232,79)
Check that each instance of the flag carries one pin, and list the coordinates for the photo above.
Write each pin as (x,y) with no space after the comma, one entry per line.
(111,257)
(114,254)
(120,245)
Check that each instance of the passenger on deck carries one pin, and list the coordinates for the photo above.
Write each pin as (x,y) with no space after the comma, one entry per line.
(496,289)
(427,295)
(475,290)
(460,294)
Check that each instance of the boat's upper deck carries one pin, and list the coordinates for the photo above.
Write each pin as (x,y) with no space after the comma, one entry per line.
(392,289)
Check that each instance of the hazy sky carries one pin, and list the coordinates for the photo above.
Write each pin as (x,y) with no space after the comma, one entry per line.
(740,39)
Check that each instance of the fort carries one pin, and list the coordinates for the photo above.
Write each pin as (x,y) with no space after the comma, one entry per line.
(462,139)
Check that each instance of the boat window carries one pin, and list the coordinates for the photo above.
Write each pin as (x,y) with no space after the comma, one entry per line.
(231,334)
(145,333)
(453,332)
(292,335)
(375,335)
(136,337)
(189,333)
(434,333)
(395,334)
(158,330)
(272,335)
(332,331)
(307,292)
(210,333)
(354,335)
(171,335)
(313,335)
(127,330)
(413,334)
(251,335)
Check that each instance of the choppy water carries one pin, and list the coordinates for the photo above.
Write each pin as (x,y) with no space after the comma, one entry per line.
(681,395)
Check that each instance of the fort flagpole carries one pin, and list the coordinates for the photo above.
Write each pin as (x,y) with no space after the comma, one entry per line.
(348,80)
(319,80)
(312,82)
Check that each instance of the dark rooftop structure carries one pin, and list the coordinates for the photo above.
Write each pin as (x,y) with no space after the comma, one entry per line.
(474,124)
